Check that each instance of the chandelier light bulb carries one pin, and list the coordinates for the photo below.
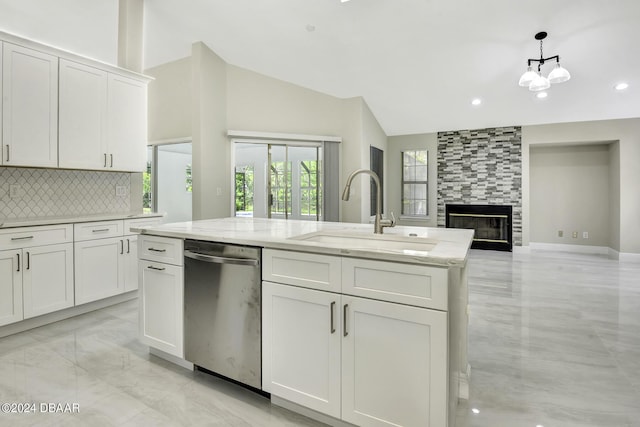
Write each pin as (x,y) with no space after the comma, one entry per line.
(527,77)
(559,74)
(539,83)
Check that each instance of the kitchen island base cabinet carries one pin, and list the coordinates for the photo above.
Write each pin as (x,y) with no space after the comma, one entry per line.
(367,362)
(161,307)
(10,287)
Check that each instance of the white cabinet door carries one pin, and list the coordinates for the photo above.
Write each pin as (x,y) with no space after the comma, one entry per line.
(82,116)
(301,333)
(30,107)
(127,124)
(10,287)
(99,273)
(47,279)
(394,364)
(130,263)
(161,310)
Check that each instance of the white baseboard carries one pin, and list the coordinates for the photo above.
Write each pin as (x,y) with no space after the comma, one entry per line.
(309,413)
(593,250)
(521,249)
(66,313)
(171,358)
(579,249)
(464,378)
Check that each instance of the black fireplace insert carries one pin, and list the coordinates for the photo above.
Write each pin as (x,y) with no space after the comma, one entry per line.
(492,224)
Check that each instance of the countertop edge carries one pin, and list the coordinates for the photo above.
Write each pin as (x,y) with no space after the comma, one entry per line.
(35,222)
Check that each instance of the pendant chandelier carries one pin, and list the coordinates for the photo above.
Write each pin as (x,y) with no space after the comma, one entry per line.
(535,81)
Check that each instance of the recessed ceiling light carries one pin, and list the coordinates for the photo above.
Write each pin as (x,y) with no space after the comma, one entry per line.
(476,101)
(475,410)
(541,95)
(622,86)
(344,1)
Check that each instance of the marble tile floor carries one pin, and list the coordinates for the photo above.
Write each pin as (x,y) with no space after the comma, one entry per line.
(554,340)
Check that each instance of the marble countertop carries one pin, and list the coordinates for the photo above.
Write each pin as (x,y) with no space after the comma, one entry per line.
(451,249)
(68,219)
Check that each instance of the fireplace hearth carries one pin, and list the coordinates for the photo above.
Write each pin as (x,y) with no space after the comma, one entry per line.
(492,224)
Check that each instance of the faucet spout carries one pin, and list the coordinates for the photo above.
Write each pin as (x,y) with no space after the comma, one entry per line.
(379,223)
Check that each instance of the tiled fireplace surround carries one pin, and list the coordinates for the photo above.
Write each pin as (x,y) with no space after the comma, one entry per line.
(481,167)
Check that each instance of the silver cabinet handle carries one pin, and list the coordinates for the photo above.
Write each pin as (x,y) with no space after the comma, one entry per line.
(111,160)
(105,160)
(121,247)
(333,327)
(21,238)
(128,246)
(157,250)
(18,254)
(8,158)
(28,260)
(151,267)
(344,314)
(221,259)
(99,230)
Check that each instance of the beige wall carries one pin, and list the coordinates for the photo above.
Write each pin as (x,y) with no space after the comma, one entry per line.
(204,97)
(398,144)
(372,135)
(211,158)
(627,133)
(170,100)
(614,196)
(569,191)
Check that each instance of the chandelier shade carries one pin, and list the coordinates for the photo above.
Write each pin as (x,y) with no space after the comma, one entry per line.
(535,81)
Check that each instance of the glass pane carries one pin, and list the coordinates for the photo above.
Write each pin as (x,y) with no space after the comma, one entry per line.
(174,180)
(250,175)
(146,183)
(421,173)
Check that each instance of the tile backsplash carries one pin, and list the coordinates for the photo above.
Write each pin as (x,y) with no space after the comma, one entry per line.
(56,192)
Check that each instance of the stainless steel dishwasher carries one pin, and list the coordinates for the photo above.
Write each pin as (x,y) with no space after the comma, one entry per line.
(222,305)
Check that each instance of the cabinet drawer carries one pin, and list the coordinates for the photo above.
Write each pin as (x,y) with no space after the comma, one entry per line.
(302,269)
(140,222)
(97,230)
(160,249)
(26,237)
(418,285)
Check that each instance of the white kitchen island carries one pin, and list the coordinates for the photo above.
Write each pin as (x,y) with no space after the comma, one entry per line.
(357,328)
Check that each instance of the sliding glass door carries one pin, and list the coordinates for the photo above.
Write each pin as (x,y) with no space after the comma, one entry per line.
(278,180)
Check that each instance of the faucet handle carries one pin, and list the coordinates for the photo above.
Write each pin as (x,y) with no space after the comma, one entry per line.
(389,222)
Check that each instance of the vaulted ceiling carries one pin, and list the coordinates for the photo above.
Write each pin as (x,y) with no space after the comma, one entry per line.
(419,63)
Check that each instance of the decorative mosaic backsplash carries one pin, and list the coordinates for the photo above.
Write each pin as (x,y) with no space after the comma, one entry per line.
(481,166)
(55,192)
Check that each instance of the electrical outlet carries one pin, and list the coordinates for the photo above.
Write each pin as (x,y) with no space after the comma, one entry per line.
(15,191)
(121,190)
(575,234)
(585,234)
(560,233)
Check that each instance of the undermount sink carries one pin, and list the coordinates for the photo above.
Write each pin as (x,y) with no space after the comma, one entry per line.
(375,242)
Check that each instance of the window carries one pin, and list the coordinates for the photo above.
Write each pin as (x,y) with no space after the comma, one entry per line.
(146,188)
(188,179)
(309,194)
(280,189)
(414,183)
(244,190)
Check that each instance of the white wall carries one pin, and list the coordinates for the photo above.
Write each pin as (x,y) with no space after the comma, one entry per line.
(627,133)
(172,196)
(372,135)
(398,144)
(570,191)
(88,28)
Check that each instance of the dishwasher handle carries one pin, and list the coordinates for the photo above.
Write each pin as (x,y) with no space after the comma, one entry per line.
(221,259)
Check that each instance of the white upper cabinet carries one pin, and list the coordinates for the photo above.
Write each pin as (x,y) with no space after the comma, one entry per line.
(83,116)
(30,107)
(126,123)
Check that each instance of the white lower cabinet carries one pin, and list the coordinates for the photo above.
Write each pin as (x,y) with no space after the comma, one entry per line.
(301,335)
(161,306)
(367,362)
(394,364)
(161,293)
(130,260)
(35,281)
(99,269)
(10,287)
